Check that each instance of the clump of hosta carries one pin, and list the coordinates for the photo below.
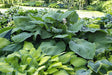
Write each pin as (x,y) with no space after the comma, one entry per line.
(35,62)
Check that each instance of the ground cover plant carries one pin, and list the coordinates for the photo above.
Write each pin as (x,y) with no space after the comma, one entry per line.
(50,42)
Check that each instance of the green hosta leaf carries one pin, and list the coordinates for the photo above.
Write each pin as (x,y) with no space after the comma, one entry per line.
(55,30)
(44,60)
(35,18)
(100,37)
(52,70)
(52,48)
(17,29)
(61,72)
(75,27)
(45,34)
(40,23)
(48,18)
(13,47)
(4,67)
(3,34)
(5,29)
(83,48)
(71,15)
(24,23)
(66,57)
(77,61)
(97,66)
(4,42)
(21,37)
(83,72)
(27,46)
(21,21)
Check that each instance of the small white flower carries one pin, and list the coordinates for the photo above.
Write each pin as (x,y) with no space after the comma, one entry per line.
(64,20)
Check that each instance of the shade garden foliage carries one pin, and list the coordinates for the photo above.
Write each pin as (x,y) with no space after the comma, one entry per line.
(48,42)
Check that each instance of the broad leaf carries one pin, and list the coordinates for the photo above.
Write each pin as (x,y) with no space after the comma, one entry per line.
(21,21)
(21,37)
(55,30)
(77,61)
(24,23)
(83,48)
(45,34)
(75,27)
(52,48)
(48,18)
(35,18)
(66,57)
(13,47)
(71,15)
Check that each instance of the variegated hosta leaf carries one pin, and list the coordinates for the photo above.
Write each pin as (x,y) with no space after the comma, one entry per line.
(109,73)
(61,72)
(27,45)
(5,67)
(83,72)
(4,42)
(97,66)
(66,57)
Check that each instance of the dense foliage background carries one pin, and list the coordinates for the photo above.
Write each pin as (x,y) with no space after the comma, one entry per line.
(99,5)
